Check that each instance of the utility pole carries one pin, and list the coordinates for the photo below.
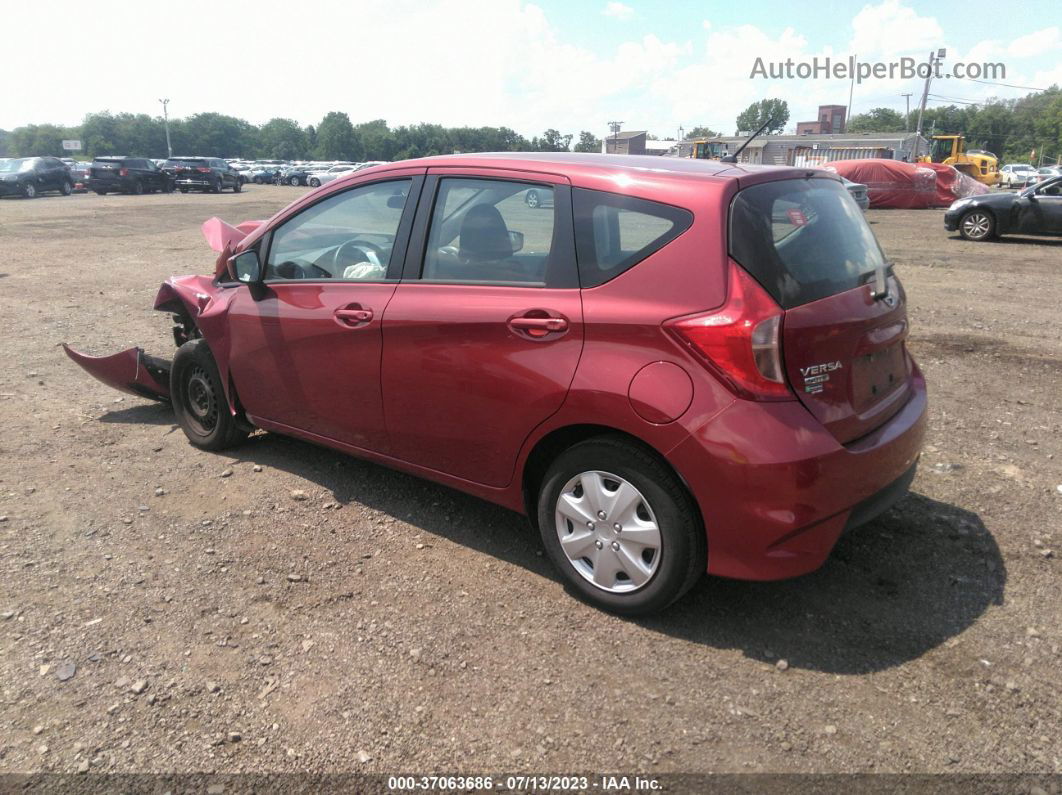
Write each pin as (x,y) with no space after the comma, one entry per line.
(614,127)
(934,59)
(851,88)
(166,121)
(907,115)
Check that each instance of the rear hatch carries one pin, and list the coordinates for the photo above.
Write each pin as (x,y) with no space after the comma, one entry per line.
(845,325)
(107,170)
(189,168)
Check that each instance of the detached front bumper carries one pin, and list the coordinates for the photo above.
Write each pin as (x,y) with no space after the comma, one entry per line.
(131,371)
(775,508)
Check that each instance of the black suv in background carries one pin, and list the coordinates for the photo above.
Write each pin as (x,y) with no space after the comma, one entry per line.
(127,175)
(28,176)
(203,173)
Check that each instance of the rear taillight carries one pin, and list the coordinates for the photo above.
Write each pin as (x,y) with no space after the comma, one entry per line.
(741,341)
(123,172)
(203,170)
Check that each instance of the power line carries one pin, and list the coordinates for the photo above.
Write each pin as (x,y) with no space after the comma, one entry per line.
(1008,85)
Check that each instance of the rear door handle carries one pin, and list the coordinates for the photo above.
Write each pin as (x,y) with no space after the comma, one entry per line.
(541,324)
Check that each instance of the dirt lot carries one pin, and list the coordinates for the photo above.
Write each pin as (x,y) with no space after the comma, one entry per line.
(425,631)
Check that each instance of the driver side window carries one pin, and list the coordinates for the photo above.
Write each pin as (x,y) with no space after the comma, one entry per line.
(346,237)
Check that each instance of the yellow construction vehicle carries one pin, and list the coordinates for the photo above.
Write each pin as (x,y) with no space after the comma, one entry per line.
(951,151)
(707,149)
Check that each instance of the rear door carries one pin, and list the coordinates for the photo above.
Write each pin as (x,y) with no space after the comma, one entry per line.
(845,326)
(482,337)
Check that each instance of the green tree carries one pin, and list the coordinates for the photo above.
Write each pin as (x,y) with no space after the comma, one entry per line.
(336,139)
(36,140)
(703,132)
(212,135)
(5,138)
(877,120)
(282,139)
(551,141)
(756,114)
(588,142)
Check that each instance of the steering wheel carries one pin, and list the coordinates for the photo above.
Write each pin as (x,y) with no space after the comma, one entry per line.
(362,250)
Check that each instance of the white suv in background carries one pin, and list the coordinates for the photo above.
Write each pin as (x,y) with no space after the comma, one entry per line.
(1017,175)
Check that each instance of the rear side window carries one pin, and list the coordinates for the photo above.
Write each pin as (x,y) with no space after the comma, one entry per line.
(802,239)
(613,233)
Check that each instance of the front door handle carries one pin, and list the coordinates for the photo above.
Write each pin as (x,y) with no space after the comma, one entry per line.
(353,316)
(540,324)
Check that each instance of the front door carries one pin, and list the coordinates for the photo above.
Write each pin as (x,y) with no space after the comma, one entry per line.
(483,335)
(306,355)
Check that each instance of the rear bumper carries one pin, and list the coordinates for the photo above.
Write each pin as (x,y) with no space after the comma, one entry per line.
(776,490)
(195,182)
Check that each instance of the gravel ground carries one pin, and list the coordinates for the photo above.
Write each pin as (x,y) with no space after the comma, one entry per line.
(287,608)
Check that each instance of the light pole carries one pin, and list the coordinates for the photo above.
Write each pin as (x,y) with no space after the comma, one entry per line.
(940,55)
(166,121)
(614,126)
(907,116)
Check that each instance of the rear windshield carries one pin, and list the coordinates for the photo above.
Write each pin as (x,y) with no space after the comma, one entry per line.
(802,239)
(186,161)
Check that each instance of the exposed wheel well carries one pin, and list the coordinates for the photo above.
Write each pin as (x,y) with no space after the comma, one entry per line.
(556,442)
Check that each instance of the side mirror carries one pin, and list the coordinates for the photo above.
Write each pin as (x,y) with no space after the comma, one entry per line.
(247,268)
(516,240)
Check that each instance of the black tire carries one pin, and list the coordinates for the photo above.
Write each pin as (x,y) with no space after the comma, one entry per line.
(183,190)
(101,192)
(237,187)
(293,181)
(683,547)
(531,199)
(29,190)
(977,224)
(138,188)
(198,398)
(216,186)
(258,180)
(314,182)
(66,188)
(167,187)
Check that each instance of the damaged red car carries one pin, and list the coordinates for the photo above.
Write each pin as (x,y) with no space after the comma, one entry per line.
(671,367)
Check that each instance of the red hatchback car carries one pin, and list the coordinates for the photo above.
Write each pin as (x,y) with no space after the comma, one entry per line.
(671,366)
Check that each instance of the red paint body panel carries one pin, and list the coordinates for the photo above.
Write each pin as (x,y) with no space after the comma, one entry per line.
(463,389)
(129,371)
(439,381)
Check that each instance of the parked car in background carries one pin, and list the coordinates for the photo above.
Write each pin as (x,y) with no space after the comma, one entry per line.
(1016,175)
(204,174)
(858,191)
(536,197)
(1036,210)
(1047,172)
(318,178)
(662,392)
(295,175)
(31,176)
(261,175)
(79,173)
(127,175)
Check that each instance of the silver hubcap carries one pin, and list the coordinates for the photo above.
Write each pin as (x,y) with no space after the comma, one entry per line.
(608,531)
(31,191)
(975,225)
(532,199)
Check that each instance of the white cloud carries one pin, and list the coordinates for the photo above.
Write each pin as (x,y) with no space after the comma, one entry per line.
(1036,43)
(891,28)
(618,11)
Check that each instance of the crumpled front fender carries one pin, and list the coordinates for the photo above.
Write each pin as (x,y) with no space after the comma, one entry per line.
(131,371)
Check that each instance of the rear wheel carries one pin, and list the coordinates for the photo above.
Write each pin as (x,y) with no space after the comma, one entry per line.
(100,192)
(216,186)
(314,182)
(237,187)
(620,527)
(294,182)
(531,199)
(138,187)
(977,225)
(183,190)
(29,190)
(198,398)
(66,188)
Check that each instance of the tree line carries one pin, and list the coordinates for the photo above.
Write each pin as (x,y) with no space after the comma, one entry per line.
(1018,130)
(334,138)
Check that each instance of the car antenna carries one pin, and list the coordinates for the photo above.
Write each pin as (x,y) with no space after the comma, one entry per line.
(733,158)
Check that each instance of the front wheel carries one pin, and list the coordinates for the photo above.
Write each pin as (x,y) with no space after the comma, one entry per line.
(977,225)
(531,199)
(198,398)
(314,182)
(294,182)
(29,190)
(183,190)
(621,528)
(66,188)
(237,187)
(216,187)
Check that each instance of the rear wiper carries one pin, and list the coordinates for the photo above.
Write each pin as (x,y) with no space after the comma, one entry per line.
(881,286)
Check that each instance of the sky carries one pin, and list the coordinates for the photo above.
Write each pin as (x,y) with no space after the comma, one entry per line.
(567,64)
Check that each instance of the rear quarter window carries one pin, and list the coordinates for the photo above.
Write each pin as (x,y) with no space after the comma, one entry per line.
(802,239)
(613,232)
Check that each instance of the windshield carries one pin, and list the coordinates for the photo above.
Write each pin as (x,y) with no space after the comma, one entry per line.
(802,239)
(16,165)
